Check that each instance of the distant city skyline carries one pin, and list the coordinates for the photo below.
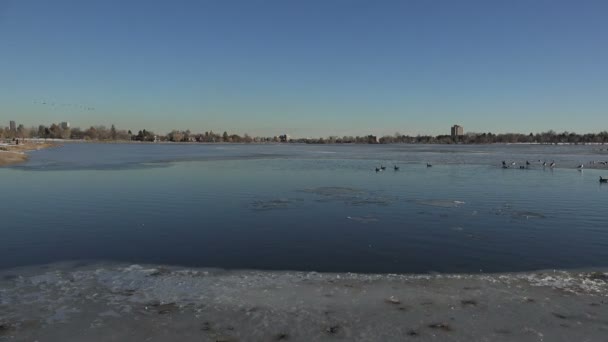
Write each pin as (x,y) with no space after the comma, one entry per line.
(307,69)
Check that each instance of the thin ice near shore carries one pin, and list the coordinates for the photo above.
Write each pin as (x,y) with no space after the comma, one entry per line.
(105,302)
(16,154)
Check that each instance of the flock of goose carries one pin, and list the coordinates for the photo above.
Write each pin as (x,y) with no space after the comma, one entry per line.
(395,167)
(513,164)
(544,164)
(552,165)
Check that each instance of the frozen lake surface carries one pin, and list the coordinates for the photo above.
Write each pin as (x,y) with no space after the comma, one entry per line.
(309,207)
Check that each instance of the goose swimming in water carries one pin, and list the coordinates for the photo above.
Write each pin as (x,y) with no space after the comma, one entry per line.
(382,167)
(396,167)
(552,164)
(580,166)
(378,170)
(429,165)
(527,163)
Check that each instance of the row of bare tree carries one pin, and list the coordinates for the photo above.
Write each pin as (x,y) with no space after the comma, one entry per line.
(57,131)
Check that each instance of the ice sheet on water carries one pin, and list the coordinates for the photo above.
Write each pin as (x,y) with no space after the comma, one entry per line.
(374,200)
(363,219)
(351,196)
(528,215)
(272,204)
(335,191)
(443,203)
(508,210)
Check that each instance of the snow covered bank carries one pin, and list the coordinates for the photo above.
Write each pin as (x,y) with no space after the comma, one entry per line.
(111,302)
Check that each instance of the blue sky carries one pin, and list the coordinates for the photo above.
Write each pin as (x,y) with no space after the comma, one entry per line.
(307,68)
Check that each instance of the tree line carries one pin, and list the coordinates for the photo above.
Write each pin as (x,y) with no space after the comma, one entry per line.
(57,131)
(549,137)
(102,133)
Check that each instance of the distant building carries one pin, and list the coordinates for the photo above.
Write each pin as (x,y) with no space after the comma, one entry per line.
(284,138)
(457,131)
(13,126)
(65,125)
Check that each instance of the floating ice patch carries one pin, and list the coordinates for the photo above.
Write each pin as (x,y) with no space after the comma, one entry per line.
(324,152)
(527,215)
(376,200)
(350,196)
(282,203)
(440,203)
(363,219)
(335,191)
(507,210)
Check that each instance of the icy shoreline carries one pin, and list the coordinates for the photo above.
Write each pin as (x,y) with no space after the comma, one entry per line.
(113,302)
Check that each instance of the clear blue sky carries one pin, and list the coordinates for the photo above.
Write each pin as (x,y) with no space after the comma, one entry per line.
(307,68)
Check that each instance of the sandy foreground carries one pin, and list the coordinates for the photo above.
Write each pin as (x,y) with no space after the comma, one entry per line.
(111,302)
(15,154)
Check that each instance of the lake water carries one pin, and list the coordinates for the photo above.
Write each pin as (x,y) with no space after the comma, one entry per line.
(308,207)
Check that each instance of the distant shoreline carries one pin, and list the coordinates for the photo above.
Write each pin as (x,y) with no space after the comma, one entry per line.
(299,143)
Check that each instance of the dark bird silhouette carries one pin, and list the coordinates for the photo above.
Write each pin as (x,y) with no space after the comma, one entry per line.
(396,168)
(382,167)
(428,165)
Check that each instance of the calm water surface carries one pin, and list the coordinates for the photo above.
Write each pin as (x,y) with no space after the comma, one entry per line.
(301,207)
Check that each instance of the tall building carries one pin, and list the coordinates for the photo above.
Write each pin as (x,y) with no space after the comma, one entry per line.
(457,131)
(13,126)
(65,125)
